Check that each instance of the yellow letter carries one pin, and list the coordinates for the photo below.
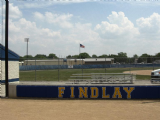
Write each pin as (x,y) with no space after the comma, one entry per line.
(128,91)
(61,91)
(72,92)
(83,92)
(104,93)
(117,92)
(92,92)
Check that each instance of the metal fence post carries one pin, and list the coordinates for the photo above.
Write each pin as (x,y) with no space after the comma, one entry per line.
(105,64)
(35,69)
(58,69)
(130,65)
(153,63)
(82,68)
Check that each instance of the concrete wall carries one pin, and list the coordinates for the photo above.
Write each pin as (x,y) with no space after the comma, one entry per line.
(103,92)
(13,67)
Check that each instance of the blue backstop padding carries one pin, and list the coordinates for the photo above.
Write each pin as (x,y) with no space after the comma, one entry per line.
(134,92)
(49,67)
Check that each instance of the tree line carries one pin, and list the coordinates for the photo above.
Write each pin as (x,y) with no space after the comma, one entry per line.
(119,57)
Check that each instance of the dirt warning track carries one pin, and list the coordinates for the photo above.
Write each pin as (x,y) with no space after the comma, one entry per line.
(140,72)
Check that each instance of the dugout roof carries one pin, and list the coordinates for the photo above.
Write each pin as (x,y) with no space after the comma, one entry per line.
(11,55)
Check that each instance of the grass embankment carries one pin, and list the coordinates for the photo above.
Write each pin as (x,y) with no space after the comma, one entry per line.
(64,74)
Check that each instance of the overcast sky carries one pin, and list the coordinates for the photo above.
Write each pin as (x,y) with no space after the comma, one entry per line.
(102,27)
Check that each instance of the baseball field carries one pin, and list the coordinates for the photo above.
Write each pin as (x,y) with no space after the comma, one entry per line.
(64,74)
(79,109)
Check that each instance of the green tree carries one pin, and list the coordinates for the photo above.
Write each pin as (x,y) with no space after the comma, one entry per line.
(69,56)
(84,55)
(144,58)
(21,58)
(103,56)
(145,55)
(122,54)
(28,57)
(41,56)
(51,55)
(113,56)
(157,55)
(135,56)
(122,58)
(75,56)
(94,56)
(134,59)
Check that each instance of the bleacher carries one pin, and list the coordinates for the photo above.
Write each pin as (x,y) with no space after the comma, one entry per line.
(102,78)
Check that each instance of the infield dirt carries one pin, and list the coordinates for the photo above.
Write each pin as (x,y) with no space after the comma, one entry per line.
(140,72)
(32,109)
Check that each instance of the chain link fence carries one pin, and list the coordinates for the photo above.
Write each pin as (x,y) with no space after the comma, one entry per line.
(62,69)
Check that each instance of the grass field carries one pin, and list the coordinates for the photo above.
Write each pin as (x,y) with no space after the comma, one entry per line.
(64,74)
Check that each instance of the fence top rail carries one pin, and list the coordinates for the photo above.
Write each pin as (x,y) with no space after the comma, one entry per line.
(106,74)
(112,73)
(94,80)
(80,76)
(80,79)
(83,74)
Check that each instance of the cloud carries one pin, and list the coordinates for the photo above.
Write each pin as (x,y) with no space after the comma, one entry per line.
(40,38)
(149,27)
(14,11)
(57,33)
(117,27)
(43,40)
(33,4)
(38,16)
(43,4)
(63,20)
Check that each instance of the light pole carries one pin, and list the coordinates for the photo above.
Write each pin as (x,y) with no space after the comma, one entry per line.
(27,40)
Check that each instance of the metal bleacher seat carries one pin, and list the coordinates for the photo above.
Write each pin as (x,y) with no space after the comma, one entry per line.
(102,78)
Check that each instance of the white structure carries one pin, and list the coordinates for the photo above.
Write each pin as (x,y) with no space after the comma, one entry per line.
(86,61)
(94,61)
(13,68)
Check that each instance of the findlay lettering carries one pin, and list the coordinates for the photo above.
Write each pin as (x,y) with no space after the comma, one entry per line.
(94,92)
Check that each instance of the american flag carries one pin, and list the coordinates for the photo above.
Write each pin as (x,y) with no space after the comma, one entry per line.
(82,46)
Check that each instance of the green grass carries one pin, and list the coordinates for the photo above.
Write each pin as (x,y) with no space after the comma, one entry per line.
(64,74)
(143,77)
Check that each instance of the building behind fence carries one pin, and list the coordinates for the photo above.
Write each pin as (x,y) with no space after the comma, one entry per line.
(63,63)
